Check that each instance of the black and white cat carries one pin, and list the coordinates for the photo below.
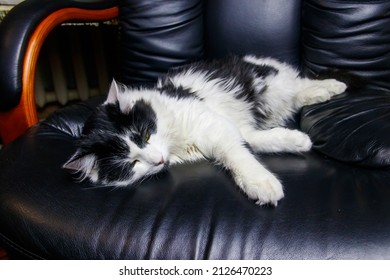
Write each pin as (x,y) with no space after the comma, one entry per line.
(222,110)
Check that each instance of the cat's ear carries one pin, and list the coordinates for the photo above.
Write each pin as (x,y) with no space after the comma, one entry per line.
(117,93)
(113,93)
(81,163)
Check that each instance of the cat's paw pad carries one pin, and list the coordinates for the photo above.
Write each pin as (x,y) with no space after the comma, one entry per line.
(265,189)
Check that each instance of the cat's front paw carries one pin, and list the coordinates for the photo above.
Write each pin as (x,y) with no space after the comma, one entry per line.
(264,188)
(299,142)
(293,141)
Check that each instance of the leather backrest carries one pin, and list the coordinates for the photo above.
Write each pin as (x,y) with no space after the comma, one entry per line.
(156,35)
(260,27)
(352,35)
(312,34)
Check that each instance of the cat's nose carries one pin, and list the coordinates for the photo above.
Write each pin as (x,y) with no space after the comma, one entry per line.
(161,161)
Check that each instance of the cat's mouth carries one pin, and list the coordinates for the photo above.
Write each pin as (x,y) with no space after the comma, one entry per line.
(159,165)
(163,164)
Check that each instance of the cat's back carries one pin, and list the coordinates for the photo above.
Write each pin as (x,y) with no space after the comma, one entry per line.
(245,90)
(233,76)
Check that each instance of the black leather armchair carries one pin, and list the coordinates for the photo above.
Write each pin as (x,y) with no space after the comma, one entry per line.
(337,196)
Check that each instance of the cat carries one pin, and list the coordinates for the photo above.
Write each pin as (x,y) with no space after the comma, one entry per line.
(222,110)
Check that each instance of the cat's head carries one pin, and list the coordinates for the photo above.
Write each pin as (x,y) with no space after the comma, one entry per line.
(121,142)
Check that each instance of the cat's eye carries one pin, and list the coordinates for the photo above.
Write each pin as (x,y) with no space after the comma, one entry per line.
(147,136)
(135,162)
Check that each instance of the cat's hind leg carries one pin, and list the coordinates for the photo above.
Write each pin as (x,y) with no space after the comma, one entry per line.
(317,91)
(278,139)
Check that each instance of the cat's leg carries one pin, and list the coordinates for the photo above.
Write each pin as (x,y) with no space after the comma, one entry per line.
(278,139)
(317,91)
(227,146)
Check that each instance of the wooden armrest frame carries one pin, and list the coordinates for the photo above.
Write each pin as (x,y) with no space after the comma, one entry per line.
(16,121)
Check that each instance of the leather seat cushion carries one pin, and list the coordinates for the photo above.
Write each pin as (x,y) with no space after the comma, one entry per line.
(192,211)
(352,128)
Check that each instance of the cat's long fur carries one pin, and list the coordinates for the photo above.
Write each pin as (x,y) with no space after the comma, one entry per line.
(221,110)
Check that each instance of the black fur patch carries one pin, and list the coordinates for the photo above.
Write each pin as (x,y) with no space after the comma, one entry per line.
(232,68)
(109,119)
(243,74)
(144,122)
(110,152)
(102,137)
(169,89)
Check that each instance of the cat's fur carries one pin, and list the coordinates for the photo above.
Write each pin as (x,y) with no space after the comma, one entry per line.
(221,110)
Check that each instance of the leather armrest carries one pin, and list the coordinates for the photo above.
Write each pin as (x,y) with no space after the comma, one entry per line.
(22,34)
